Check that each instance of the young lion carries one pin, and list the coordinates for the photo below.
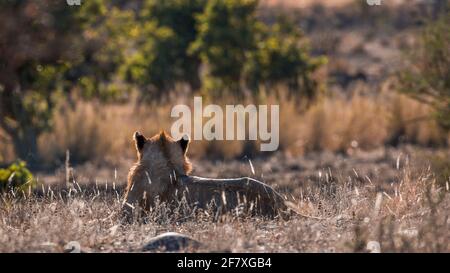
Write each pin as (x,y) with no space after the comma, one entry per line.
(162,171)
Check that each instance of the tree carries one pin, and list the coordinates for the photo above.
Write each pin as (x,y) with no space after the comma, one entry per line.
(151,66)
(34,40)
(427,79)
(106,34)
(161,60)
(47,50)
(239,50)
(180,17)
(226,33)
(282,58)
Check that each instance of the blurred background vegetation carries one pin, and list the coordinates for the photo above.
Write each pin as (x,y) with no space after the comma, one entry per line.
(83,78)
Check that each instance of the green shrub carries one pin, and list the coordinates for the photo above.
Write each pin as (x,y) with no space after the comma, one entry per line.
(226,33)
(241,52)
(427,79)
(281,57)
(16,176)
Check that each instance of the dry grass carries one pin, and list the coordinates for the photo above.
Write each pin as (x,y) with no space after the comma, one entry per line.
(97,132)
(410,215)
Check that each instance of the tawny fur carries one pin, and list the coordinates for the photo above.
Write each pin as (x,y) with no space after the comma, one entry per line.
(162,171)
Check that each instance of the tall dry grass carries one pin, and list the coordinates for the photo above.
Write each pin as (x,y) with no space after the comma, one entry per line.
(98,132)
(93,131)
(363,122)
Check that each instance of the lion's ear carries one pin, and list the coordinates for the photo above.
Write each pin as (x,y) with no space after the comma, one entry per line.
(184,143)
(139,141)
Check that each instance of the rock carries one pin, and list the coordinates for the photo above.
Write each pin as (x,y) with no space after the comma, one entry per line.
(170,241)
(373,247)
(75,247)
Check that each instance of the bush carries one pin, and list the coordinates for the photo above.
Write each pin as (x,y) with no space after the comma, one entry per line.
(226,33)
(240,51)
(16,176)
(427,80)
(282,58)
(161,59)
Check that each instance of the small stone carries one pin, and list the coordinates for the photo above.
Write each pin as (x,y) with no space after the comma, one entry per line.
(373,247)
(170,241)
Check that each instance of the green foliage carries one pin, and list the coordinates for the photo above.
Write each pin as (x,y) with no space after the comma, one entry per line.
(108,33)
(16,176)
(31,71)
(179,16)
(33,105)
(67,50)
(241,51)
(226,34)
(166,29)
(280,57)
(152,63)
(428,78)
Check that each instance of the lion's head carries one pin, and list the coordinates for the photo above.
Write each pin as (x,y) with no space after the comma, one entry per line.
(161,159)
(162,150)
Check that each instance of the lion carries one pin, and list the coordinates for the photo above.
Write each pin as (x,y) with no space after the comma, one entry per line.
(162,172)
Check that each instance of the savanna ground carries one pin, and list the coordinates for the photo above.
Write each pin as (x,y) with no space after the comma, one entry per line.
(388,196)
(363,163)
